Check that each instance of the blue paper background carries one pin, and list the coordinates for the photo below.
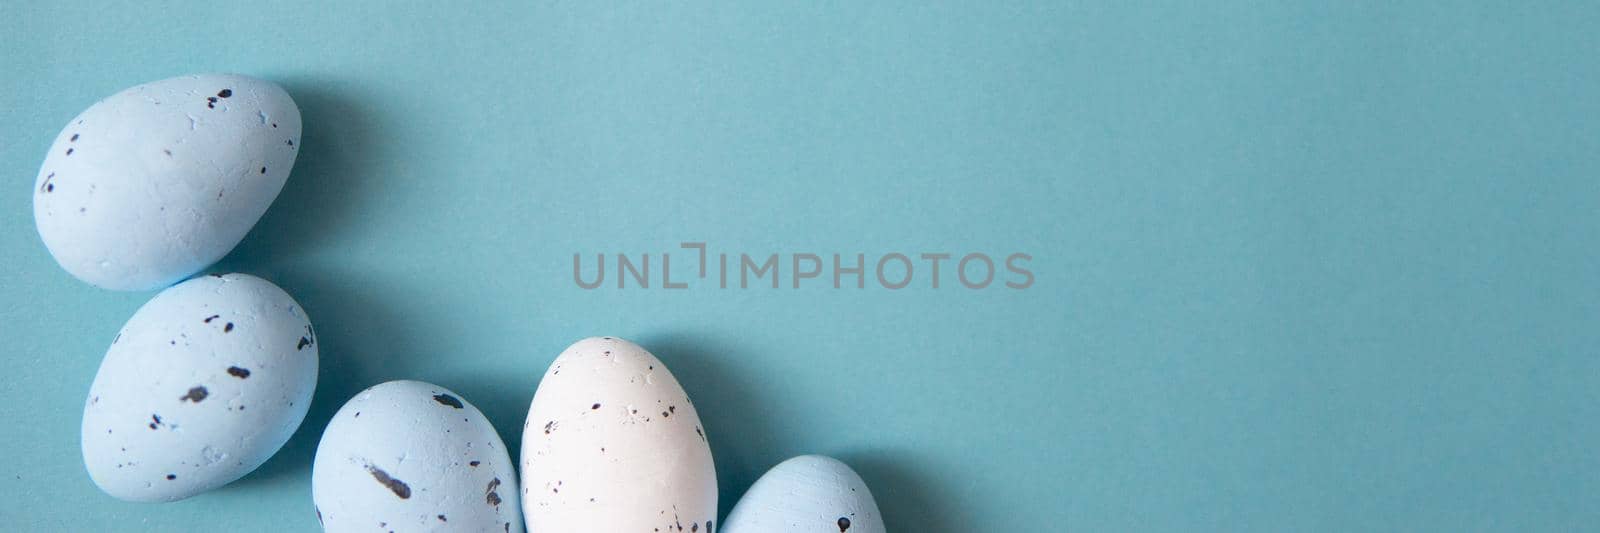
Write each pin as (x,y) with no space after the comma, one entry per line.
(1300,265)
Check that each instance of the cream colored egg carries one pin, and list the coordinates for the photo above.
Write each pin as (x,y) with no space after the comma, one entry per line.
(612,443)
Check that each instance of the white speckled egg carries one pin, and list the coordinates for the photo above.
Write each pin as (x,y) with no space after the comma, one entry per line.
(157,182)
(203,384)
(807,494)
(612,443)
(413,456)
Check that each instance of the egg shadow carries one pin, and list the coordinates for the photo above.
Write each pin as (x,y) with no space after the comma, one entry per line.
(736,416)
(333,176)
(909,499)
(361,342)
(360,339)
(502,397)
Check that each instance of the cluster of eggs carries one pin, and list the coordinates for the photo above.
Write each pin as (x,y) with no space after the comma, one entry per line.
(213,375)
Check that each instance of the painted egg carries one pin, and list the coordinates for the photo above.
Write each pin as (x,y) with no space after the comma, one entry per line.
(413,456)
(203,384)
(612,443)
(157,182)
(807,494)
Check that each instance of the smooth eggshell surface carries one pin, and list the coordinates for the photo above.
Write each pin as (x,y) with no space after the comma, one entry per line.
(612,443)
(203,384)
(412,456)
(160,181)
(807,494)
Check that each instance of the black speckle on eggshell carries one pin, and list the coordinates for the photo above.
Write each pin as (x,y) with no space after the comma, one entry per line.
(400,488)
(491,496)
(196,394)
(446,399)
